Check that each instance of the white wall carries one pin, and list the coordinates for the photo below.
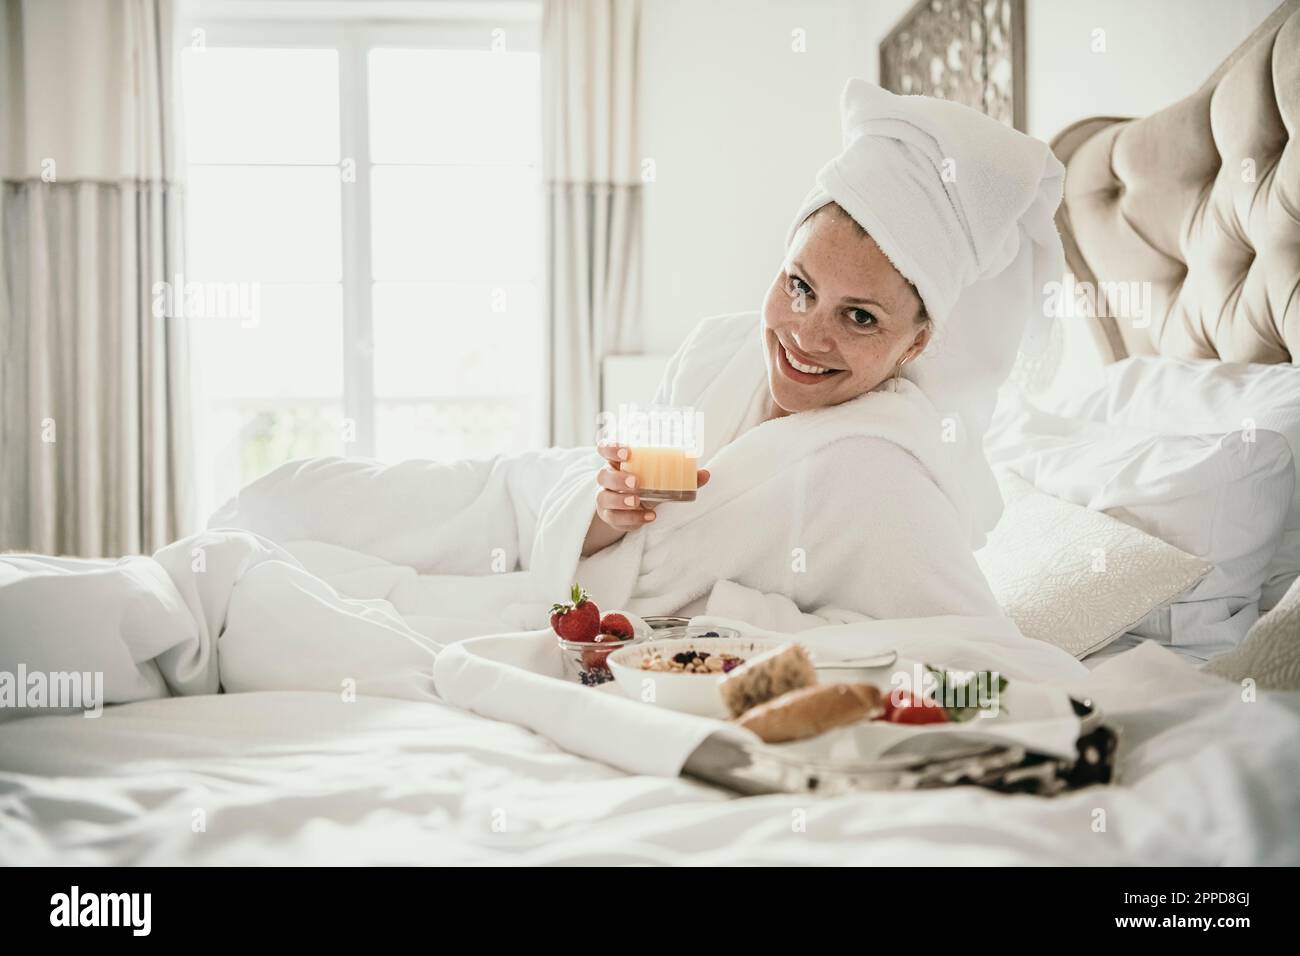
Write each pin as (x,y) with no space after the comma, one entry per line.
(738,124)
(1156,52)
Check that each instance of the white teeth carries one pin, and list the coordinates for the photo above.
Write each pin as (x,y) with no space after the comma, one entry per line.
(795,363)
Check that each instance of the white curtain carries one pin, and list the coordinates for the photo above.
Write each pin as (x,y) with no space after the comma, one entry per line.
(95,428)
(593,180)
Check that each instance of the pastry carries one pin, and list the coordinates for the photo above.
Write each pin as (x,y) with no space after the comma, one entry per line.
(812,711)
(766,676)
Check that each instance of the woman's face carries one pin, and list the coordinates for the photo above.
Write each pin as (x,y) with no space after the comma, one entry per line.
(841,311)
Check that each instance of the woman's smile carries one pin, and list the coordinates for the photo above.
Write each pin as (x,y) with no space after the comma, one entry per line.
(840,296)
(799,367)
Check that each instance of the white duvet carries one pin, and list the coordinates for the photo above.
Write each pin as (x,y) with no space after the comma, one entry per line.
(392,775)
(282,777)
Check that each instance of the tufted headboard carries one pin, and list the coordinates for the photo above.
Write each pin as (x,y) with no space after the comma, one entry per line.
(1200,200)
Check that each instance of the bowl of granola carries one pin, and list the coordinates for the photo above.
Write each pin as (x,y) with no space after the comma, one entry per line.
(683,674)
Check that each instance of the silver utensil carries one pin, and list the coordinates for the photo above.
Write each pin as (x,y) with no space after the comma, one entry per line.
(883,659)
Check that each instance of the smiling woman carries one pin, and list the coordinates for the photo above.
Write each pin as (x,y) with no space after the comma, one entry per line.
(872,494)
(861,501)
(839,320)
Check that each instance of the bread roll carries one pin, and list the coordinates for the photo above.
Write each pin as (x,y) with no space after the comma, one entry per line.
(767,676)
(812,711)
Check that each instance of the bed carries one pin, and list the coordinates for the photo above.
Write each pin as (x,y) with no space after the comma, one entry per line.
(1204,776)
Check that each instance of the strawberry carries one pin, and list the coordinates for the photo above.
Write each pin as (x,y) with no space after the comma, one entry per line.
(617,626)
(903,707)
(578,620)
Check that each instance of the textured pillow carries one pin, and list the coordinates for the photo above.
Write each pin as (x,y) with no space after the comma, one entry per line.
(1184,396)
(1076,578)
(1270,655)
(1223,498)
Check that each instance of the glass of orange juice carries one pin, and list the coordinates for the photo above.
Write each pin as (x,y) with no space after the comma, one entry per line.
(664,444)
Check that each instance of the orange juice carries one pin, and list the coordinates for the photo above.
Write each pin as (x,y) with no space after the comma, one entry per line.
(662,474)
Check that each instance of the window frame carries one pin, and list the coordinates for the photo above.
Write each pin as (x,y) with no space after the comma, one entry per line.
(347,28)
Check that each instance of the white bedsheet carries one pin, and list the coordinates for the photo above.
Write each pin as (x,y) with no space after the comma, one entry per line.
(302,777)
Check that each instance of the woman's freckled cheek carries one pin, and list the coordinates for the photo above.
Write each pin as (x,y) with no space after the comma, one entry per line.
(865,354)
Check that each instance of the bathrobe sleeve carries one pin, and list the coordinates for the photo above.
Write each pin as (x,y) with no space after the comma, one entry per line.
(870,535)
(473,516)
(688,354)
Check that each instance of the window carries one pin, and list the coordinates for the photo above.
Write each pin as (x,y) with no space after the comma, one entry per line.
(369,198)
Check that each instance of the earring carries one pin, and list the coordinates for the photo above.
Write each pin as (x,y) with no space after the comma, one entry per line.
(898,371)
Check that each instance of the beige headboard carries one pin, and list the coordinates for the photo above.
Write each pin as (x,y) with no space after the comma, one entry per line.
(1201,200)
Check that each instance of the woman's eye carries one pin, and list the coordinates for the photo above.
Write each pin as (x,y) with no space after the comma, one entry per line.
(799,287)
(862,318)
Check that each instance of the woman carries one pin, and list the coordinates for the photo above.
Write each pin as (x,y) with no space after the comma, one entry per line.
(823,344)
(845,476)
(920,248)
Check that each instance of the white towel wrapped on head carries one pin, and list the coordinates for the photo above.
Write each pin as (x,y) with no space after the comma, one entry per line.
(963,207)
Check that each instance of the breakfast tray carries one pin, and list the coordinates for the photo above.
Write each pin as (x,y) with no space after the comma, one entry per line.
(759,769)
(762,769)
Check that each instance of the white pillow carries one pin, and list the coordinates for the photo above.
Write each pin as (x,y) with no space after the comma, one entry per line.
(1184,396)
(1223,498)
(1075,578)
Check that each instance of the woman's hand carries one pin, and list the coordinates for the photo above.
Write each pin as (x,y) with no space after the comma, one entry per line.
(619,509)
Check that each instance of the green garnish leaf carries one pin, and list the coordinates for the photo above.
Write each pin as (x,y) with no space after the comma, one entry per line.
(969,695)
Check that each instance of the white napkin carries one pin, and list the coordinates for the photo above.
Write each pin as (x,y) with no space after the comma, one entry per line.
(518,678)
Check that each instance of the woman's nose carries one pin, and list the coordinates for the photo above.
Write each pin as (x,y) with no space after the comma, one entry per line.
(812,335)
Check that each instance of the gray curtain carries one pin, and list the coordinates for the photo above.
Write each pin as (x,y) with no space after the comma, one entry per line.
(592,171)
(95,426)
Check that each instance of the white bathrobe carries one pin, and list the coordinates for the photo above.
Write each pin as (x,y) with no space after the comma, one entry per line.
(840,514)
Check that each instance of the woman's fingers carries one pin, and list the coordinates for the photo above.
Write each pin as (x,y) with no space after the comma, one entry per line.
(616,480)
(624,485)
(618,505)
(618,501)
(625,519)
(614,454)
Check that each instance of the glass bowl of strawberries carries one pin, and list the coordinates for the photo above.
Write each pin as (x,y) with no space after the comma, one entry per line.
(586,637)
